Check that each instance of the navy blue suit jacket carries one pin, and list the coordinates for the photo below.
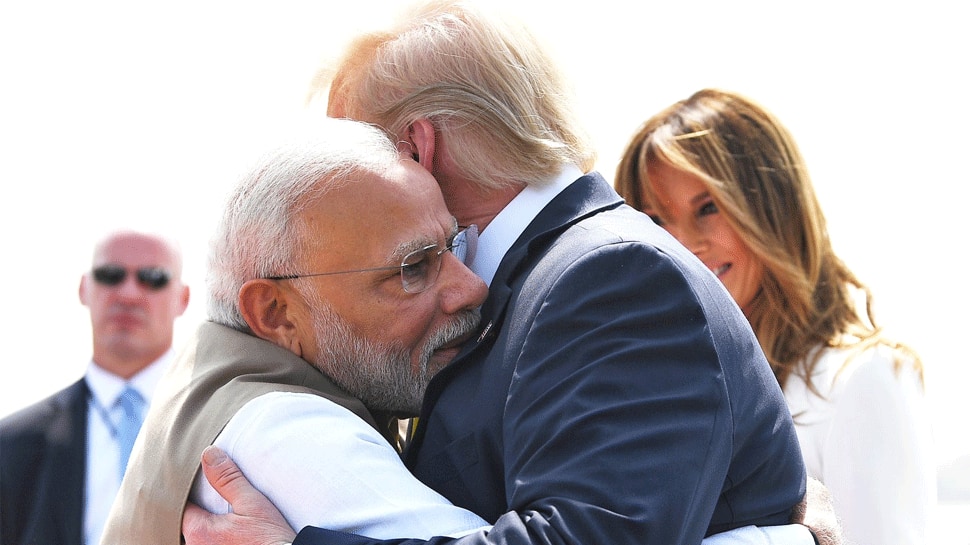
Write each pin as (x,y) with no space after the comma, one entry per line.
(617,394)
(42,464)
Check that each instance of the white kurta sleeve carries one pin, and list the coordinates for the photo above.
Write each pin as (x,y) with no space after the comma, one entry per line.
(323,466)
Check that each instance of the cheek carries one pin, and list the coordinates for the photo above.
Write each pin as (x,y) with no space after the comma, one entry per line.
(403,326)
(752,274)
(163,307)
(729,242)
(415,335)
(748,271)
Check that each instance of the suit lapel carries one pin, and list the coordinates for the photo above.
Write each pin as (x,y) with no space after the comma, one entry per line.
(588,195)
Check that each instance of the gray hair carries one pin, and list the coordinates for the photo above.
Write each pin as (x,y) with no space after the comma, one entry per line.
(260,234)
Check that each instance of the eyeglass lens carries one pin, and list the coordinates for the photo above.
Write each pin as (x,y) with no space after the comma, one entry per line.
(154,278)
(419,269)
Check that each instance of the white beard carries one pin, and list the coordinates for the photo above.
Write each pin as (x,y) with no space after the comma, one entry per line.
(380,375)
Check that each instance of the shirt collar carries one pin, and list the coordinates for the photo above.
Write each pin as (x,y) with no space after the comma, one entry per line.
(511,222)
(106,387)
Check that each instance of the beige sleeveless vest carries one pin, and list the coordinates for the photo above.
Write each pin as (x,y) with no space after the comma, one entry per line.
(219,371)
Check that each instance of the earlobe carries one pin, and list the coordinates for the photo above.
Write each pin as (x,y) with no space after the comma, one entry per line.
(266,308)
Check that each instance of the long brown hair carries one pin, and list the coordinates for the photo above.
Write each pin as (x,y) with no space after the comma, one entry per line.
(758,180)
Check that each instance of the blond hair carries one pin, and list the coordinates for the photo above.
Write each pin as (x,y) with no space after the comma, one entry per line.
(483,82)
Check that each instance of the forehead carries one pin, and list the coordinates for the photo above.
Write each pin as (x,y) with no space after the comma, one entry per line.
(136,250)
(380,215)
(671,186)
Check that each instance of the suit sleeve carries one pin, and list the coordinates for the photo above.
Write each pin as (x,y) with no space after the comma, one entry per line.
(617,427)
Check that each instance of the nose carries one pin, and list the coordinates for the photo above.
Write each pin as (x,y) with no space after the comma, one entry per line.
(461,289)
(130,289)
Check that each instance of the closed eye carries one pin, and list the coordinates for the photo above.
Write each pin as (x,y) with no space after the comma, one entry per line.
(416,264)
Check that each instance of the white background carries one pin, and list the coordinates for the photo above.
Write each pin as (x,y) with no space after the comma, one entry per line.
(142,114)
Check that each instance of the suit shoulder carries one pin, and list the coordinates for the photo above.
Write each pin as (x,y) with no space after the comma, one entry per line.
(626,224)
(39,415)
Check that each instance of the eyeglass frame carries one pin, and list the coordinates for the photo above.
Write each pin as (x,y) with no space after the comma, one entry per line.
(151,278)
(437,252)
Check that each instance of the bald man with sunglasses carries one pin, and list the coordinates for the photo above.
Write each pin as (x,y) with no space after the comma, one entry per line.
(62,459)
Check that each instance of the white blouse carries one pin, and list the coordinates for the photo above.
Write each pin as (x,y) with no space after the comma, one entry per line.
(868,438)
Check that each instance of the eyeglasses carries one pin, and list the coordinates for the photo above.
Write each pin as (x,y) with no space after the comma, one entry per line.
(153,278)
(419,269)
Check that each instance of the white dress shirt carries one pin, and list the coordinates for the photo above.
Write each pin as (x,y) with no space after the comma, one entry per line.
(502,232)
(101,474)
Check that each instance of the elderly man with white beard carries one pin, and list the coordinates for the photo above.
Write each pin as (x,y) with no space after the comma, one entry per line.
(334,296)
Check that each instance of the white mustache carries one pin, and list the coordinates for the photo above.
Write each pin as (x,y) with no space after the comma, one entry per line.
(463,325)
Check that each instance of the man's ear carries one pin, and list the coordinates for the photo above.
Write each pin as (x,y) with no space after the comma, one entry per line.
(266,307)
(82,290)
(183,301)
(421,137)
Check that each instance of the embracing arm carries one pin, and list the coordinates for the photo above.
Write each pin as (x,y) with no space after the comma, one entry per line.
(263,523)
(322,465)
(617,426)
(255,521)
(817,512)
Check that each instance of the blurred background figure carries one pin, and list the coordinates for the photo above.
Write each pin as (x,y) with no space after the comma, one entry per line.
(722,175)
(62,459)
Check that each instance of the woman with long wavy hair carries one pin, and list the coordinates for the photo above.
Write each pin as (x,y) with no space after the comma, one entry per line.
(725,177)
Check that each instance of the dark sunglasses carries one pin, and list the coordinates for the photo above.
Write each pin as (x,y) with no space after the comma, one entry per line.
(153,278)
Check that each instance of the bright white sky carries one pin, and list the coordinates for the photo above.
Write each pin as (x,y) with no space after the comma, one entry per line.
(132,113)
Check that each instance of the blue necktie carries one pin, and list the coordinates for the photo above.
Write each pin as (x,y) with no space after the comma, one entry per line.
(131,403)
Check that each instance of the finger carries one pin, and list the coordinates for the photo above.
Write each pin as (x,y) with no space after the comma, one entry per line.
(195,521)
(224,475)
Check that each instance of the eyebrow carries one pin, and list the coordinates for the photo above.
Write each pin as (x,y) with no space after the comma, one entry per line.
(405,248)
(695,200)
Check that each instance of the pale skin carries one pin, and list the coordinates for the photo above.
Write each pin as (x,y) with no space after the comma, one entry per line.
(688,212)
(465,199)
(131,324)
